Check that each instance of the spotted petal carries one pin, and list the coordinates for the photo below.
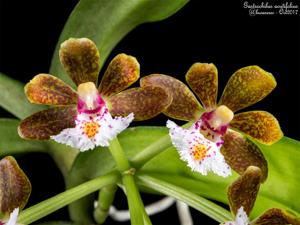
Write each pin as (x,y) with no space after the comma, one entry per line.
(203,79)
(43,124)
(276,217)
(15,187)
(80,59)
(49,90)
(144,103)
(260,125)
(243,191)
(246,87)
(184,104)
(122,71)
(240,153)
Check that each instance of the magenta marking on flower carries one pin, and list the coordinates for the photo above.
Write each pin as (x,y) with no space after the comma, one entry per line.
(98,105)
(207,118)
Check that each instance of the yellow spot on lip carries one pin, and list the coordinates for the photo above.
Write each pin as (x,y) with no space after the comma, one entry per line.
(91,129)
(199,152)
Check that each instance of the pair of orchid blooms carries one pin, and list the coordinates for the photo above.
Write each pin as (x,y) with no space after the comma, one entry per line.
(216,141)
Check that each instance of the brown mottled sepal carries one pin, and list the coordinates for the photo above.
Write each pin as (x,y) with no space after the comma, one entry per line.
(145,102)
(184,105)
(49,90)
(240,153)
(260,125)
(122,71)
(276,216)
(203,79)
(247,86)
(43,124)
(243,191)
(80,59)
(15,187)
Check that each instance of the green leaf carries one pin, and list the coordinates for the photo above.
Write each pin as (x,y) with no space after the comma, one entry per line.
(13,99)
(283,158)
(50,205)
(106,22)
(11,143)
(209,208)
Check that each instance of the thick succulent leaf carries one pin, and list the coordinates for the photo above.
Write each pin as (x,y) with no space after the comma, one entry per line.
(240,153)
(283,179)
(260,125)
(247,86)
(243,191)
(276,217)
(11,143)
(121,72)
(49,90)
(43,124)
(145,102)
(203,79)
(184,104)
(15,187)
(80,59)
(13,99)
(107,22)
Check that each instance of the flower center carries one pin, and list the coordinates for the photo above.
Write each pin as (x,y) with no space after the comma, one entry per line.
(91,129)
(213,125)
(199,152)
(221,116)
(89,100)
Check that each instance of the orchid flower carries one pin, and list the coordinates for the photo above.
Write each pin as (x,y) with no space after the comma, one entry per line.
(91,116)
(242,195)
(13,217)
(15,189)
(211,136)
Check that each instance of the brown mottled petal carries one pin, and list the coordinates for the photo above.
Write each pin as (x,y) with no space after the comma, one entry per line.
(145,102)
(247,86)
(276,217)
(49,90)
(15,187)
(260,125)
(203,79)
(43,124)
(184,105)
(122,71)
(240,153)
(80,59)
(243,191)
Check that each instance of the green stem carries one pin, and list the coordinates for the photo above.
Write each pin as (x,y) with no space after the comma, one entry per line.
(135,204)
(106,197)
(50,205)
(205,206)
(119,155)
(147,220)
(154,149)
(134,201)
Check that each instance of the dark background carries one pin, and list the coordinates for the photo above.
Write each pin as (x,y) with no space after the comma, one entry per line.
(203,31)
